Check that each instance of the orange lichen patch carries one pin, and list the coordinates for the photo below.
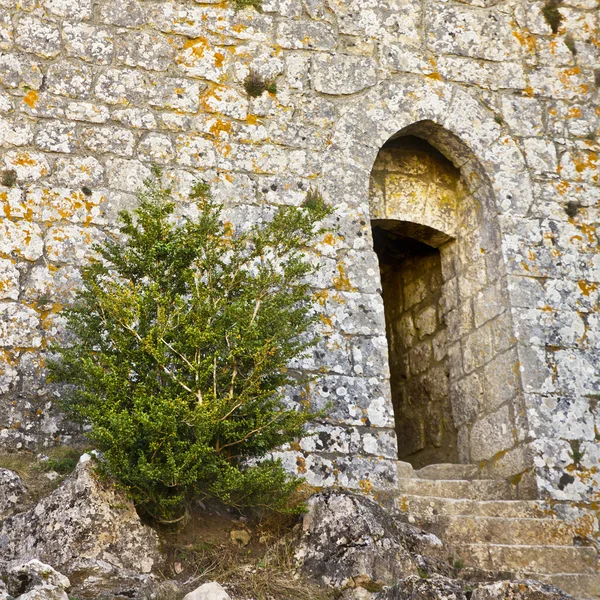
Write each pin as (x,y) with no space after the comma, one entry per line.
(219,126)
(547,309)
(435,75)
(574,113)
(586,287)
(9,358)
(529,91)
(329,239)
(590,232)
(321,296)
(24,160)
(198,46)
(239,28)
(252,120)
(342,282)
(31,98)
(562,187)
(301,465)
(219,59)
(526,40)
(326,321)
(586,160)
(365,486)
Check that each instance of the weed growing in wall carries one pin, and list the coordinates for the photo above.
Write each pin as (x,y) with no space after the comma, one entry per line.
(552,14)
(8,178)
(255,85)
(184,330)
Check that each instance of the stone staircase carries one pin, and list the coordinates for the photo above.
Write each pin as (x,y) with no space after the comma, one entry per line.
(490,530)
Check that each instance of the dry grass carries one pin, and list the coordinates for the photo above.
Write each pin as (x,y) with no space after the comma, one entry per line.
(34,472)
(270,576)
(264,569)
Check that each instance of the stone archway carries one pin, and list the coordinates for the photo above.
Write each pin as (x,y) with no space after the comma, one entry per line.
(485,387)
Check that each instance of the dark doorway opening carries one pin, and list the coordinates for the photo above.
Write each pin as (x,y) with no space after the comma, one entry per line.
(411,276)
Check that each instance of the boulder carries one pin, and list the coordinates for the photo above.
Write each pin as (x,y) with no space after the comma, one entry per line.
(35,580)
(12,492)
(518,590)
(208,591)
(350,540)
(87,529)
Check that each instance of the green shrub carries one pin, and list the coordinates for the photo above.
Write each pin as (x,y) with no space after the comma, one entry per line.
(183,332)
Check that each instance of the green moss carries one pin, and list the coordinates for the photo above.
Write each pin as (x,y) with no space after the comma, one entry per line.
(553,15)
(241,4)
(86,191)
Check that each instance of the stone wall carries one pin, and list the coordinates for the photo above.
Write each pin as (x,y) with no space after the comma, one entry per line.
(92,93)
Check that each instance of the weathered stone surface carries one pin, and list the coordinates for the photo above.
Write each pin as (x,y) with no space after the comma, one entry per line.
(343,74)
(519,590)
(87,530)
(12,492)
(35,580)
(434,588)
(348,539)
(92,97)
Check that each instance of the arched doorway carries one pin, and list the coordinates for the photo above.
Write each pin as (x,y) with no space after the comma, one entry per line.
(454,379)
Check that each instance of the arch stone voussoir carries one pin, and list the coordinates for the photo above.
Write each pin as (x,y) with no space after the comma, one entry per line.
(452,120)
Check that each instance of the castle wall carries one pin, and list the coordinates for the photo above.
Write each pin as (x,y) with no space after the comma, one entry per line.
(91,94)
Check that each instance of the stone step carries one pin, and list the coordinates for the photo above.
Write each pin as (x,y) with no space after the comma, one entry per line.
(477,489)
(531,559)
(448,471)
(499,530)
(426,507)
(579,585)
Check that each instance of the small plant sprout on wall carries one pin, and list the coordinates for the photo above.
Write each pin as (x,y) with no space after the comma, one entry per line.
(183,332)
(255,85)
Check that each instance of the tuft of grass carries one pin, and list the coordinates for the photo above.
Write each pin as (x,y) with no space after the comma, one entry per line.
(255,85)
(552,14)
(62,459)
(459,564)
(8,178)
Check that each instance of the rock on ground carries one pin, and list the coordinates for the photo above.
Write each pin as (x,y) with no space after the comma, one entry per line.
(350,540)
(208,591)
(12,492)
(87,529)
(35,580)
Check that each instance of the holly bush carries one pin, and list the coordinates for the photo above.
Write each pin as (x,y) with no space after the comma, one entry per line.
(182,333)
